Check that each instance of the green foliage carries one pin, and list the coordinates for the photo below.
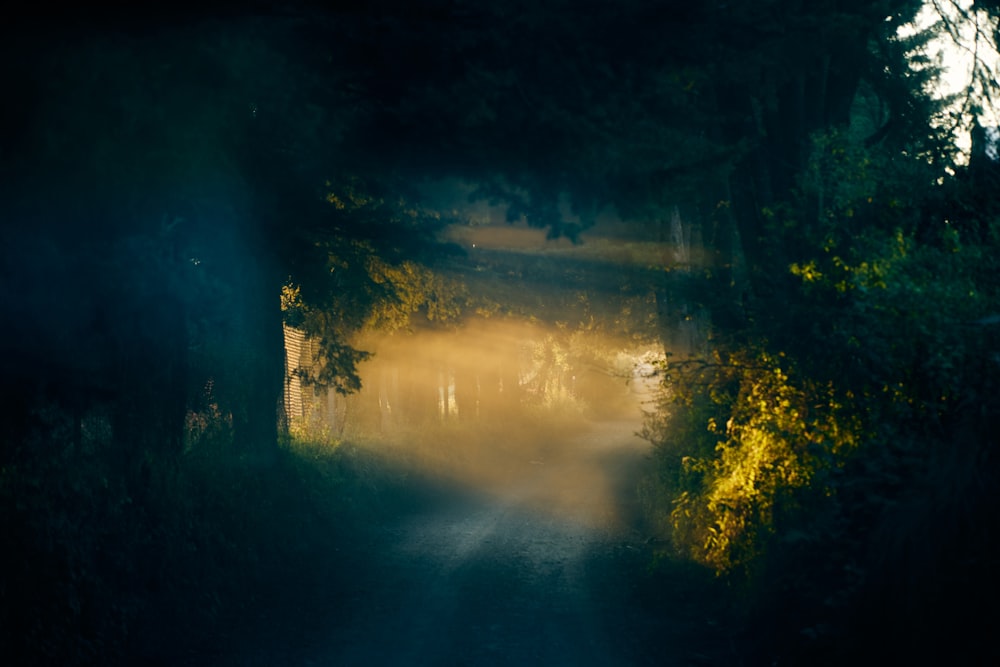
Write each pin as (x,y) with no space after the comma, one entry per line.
(679,430)
(819,465)
(366,276)
(71,532)
(736,440)
(112,573)
(416,289)
(368,295)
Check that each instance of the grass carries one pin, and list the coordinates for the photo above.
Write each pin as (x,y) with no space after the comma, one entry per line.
(108,570)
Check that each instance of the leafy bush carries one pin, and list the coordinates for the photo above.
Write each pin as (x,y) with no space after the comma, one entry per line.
(838,466)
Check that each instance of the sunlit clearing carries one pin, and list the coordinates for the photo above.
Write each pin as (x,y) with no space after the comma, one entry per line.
(536,416)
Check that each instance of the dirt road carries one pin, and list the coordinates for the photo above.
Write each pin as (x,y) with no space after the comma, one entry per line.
(545,568)
(505,579)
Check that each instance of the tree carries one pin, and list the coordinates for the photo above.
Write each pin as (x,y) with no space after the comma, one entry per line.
(829,438)
(140,133)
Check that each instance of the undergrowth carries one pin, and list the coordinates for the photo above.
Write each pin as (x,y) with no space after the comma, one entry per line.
(103,568)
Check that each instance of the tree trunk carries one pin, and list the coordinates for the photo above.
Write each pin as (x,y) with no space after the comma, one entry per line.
(260,355)
(148,415)
(466,393)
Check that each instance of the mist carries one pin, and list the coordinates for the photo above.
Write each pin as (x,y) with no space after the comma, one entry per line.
(515,409)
